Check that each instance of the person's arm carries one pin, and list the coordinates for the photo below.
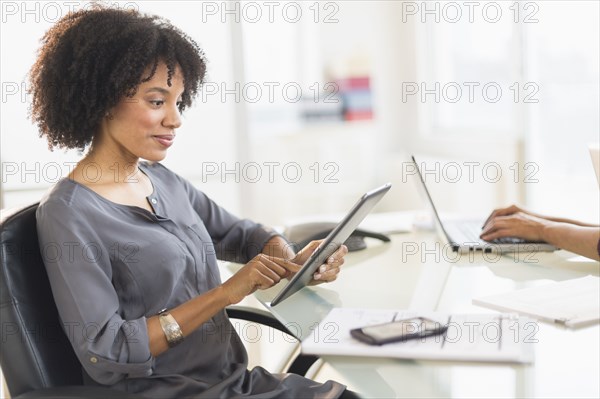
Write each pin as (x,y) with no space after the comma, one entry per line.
(582,240)
(516,209)
(238,240)
(260,273)
(109,346)
(235,239)
(569,221)
(276,261)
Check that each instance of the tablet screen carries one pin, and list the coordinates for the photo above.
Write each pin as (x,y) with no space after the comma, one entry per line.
(332,242)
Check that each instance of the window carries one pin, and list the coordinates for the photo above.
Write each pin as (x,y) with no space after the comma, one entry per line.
(532,68)
(469,70)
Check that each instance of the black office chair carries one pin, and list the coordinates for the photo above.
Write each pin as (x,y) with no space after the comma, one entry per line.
(36,357)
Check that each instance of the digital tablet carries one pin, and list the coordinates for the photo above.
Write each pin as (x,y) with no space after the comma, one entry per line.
(332,242)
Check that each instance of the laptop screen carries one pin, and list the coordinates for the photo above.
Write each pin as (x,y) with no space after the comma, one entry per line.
(435,212)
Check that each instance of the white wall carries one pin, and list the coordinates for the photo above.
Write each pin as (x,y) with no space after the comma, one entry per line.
(207,134)
(365,154)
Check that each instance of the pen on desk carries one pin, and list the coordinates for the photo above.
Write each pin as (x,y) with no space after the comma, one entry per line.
(500,332)
(547,319)
(446,332)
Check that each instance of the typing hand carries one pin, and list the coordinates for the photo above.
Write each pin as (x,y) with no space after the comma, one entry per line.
(503,223)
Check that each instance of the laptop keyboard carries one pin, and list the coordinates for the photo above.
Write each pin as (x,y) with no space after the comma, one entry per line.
(508,240)
(472,232)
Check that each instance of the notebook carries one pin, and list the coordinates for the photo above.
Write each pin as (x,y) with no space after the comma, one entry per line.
(469,337)
(573,303)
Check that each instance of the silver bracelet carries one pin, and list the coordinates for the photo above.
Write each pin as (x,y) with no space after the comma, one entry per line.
(172,331)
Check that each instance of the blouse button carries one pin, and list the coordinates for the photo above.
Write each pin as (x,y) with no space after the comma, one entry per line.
(153,200)
(94,359)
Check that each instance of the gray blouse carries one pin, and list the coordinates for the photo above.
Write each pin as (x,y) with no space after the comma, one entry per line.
(112,266)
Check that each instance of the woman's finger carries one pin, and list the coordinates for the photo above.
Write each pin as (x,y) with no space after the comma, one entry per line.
(501,222)
(504,226)
(305,252)
(498,233)
(261,271)
(327,276)
(287,265)
(501,212)
(337,258)
(310,247)
(274,264)
(491,217)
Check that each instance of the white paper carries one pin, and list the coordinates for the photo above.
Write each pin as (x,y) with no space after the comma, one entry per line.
(482,338)
(573,303)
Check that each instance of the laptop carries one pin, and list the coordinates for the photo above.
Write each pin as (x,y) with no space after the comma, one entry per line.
(332,242)
(463,235)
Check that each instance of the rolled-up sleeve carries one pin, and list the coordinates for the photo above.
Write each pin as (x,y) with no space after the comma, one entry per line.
(78,264)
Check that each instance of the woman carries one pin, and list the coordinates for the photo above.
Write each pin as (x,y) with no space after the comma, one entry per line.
(580,238)
(130,247)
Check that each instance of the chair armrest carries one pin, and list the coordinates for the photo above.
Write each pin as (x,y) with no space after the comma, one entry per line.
(257,316)
(301,363)
(80,392)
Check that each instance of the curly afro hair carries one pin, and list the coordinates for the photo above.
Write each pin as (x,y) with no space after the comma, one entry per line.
(93,58)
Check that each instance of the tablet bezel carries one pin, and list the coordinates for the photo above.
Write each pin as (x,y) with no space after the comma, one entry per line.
(332,242)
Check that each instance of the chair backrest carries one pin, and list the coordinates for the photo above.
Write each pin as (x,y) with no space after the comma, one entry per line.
(35,352)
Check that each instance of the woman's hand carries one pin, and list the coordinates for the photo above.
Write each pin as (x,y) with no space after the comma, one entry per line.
(325,273)
(506,211)
(261,272)
(265,271)
(514,222)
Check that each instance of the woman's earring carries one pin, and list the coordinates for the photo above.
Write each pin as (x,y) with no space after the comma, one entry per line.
(108,115)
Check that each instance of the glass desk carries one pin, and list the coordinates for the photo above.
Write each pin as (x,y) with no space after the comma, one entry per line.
(416,271)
